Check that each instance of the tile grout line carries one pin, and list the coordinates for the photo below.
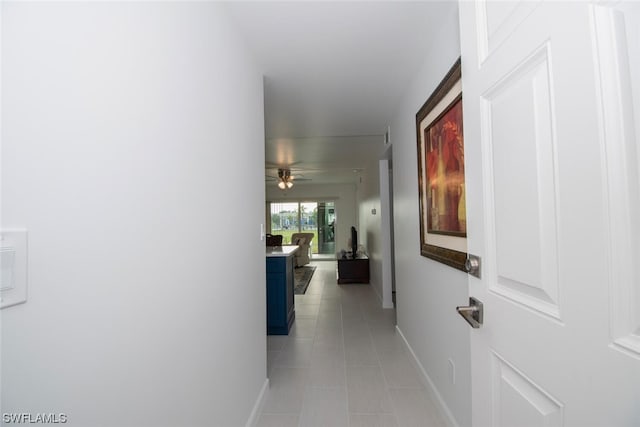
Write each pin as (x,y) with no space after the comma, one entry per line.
(344,357)
(384,376)
(315,332)
(307,385)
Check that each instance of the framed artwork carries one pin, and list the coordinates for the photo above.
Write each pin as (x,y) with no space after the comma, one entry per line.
(441,184)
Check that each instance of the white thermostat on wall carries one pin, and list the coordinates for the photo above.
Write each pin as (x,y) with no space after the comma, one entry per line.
(13,267)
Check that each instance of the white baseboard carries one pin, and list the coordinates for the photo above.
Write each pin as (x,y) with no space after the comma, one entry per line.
(375,291)
(257,408)
(380,298)
(444,410)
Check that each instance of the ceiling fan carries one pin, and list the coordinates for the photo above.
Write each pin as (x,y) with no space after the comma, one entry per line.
(285,178)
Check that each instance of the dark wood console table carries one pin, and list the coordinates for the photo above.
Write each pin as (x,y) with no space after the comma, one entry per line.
(352,270)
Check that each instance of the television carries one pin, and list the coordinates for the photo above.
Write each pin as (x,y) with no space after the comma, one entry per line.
(354,241)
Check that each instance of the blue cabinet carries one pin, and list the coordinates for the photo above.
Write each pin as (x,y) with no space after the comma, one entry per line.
(280,300)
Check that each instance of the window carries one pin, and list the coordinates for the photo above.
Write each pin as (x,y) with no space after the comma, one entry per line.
(308,217)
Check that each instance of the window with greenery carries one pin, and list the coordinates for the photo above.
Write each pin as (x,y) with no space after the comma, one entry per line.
(307,217)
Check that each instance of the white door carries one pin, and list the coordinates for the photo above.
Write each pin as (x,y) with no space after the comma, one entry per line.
(551,152)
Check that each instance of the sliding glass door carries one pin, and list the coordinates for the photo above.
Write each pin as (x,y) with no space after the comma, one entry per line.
(307,217)
(326,228)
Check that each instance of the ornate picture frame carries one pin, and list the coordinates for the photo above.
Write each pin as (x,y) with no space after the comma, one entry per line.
(441,181)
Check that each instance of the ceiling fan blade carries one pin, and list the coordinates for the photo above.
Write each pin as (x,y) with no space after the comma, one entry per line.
(271,165)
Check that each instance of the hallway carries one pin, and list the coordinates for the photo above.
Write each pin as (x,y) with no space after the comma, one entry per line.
(343,363)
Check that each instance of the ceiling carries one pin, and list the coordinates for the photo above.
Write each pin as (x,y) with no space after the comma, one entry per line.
(334,73)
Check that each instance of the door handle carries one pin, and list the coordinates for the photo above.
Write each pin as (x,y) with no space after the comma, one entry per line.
(472,313)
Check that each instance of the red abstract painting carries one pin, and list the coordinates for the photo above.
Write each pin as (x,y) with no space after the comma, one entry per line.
(446,209)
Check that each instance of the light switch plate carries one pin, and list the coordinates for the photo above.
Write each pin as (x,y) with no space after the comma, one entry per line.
(13,267)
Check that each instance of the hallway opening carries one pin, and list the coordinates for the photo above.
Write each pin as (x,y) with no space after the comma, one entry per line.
(343,363)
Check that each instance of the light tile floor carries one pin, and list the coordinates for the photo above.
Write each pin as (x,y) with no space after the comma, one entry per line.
(343,363)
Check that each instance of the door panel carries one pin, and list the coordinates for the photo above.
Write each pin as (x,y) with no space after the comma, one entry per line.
(517,125)
(551,161)
(617,40)
(496,21)
(519,401)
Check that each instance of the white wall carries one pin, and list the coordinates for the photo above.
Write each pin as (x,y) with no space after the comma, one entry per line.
(117,123)
(427,291)
(370,224)
(344,196)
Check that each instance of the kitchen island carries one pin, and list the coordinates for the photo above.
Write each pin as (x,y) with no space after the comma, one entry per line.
(280,300)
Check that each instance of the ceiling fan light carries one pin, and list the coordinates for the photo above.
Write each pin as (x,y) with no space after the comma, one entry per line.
(289,184)
(281,185)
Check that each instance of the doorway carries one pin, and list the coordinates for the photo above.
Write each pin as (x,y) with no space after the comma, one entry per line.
(326,228)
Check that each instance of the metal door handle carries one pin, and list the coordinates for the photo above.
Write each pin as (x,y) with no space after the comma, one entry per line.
(472,313)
